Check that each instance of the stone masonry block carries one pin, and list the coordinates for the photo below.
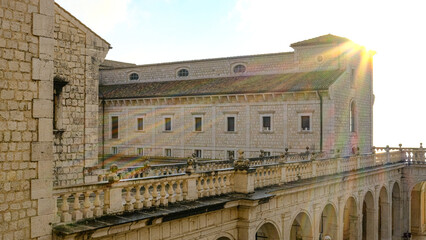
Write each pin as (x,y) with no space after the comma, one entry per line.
(41,151)
(47,7)
(41,225)
(45,130)
(45,90)
(46,48)
(42,108)
(45,170)
(43,25)
(42,69)
(45,206)
(41,188)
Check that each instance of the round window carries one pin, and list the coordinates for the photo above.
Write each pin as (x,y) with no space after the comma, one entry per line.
(183,73)
(133,76)
(239,68)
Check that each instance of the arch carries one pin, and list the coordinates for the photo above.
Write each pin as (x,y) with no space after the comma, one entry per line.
(267,230)
(301,228)
(383,226)
(328,222)
(396,211)
(350,219)
(224,236)
(418,209)
(368,216)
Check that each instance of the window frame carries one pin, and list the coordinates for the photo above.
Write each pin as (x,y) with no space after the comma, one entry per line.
(165,125)
(138,151)
(239,65)
(166,150)
(132,74)
(227,123)
(353,117)
(227,154)
(114,150)
(182,70)
(300,115)
(195,123)
(262,128)
(143,123)
(200,151)
(111,136)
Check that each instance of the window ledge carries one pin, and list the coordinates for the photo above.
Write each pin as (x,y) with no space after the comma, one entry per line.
(141,131)
(305,131)
(267,132)
(167,131)
(198,131)
(231,132)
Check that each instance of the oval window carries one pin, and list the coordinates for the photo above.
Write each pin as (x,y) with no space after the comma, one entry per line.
(133,76)
(183,73)
(239,68)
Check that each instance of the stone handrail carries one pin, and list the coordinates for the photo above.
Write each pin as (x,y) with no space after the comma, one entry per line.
(211,178)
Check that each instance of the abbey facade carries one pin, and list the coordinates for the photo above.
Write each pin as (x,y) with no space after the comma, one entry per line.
(320,96)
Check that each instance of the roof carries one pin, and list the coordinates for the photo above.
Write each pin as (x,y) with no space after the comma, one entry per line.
(324,39)
(289,82)
(110,64)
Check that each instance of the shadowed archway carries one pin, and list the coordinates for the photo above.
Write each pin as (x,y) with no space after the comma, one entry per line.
(396,212)
(267,232)
(350,220)
(328,222)
(301,229)
(368,217)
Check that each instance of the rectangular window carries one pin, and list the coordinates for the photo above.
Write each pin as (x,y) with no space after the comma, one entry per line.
(267,154)
(114,127)
(198,153)
(167,124)
(168,152)
(114,150)
(230,124)
(306,123)
(140,151)
(266,123)
(230,154)
(198,124)
(140,124)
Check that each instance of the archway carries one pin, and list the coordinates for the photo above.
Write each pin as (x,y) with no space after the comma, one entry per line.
(328,222)
(368,217)
(267,232)
(396,212)
(383,217)
(301,229)
(418,203)
(350,220)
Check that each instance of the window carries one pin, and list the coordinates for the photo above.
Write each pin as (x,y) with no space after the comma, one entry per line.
(239,68)
(140,124)
(352,119)
(58,85)
(306,123)
(140,151)
(114,127)
(266,123)
(198,153)
(167,124)
(230,124)
(198,124)
(133,76)
(183,73)
(114,150)
(230,154)
(266,154)
(168,152)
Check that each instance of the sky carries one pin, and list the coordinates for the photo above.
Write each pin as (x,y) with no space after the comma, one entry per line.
(153,31)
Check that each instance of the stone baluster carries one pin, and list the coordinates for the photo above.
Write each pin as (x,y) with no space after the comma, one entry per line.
(147,196)
(206,188)
(138,198)
(222,185)
(171,192)
(217,185)
(163,195)
(128,206)
(87,211)
(200,188)
(178,191)
(97,204)
(65,208)
(77,214)
(212,190)
(155,200)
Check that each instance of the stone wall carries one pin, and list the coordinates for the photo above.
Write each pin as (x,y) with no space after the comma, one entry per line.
(26,73)
(78,54)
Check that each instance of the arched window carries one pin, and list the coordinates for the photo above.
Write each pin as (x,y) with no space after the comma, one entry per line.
(133,77)
(352,117)
(183,73)
(239,68)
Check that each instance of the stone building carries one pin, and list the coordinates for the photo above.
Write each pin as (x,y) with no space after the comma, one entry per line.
(49,66)
(319,96)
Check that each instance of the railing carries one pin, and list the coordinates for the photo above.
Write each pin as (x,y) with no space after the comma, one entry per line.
(170,183)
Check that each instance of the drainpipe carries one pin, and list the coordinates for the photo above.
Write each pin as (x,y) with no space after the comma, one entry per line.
(103,132)
(321,127)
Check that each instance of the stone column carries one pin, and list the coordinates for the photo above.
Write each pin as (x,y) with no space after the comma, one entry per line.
(316,221)
(286,229)
(340,218)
